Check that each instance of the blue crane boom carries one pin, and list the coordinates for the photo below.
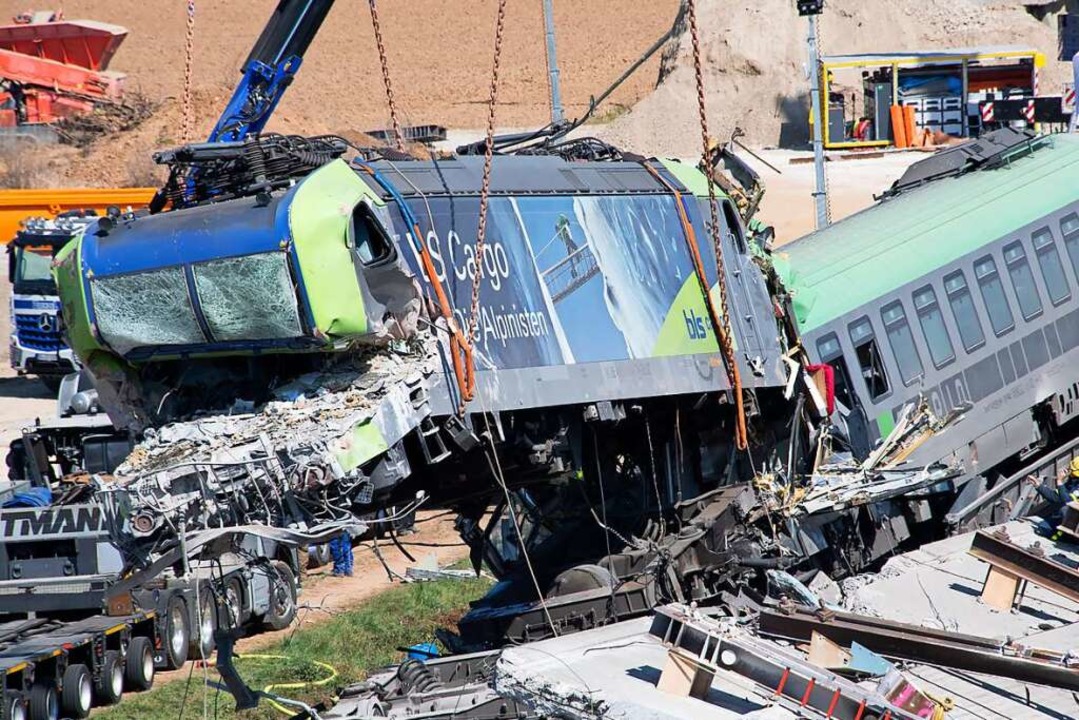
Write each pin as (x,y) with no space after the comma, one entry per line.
(270,68)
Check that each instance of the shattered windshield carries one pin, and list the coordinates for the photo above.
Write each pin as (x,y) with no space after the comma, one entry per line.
(151,308)
(248,298)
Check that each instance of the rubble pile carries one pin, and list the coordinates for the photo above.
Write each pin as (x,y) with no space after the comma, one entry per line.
(297,461)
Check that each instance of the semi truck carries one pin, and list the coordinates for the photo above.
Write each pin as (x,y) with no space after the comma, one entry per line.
(37,342)
(73,636)
(75,633)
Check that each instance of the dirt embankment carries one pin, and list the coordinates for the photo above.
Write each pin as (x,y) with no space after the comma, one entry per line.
(439,51)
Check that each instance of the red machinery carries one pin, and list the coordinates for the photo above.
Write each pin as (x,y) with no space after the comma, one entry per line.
(51,68)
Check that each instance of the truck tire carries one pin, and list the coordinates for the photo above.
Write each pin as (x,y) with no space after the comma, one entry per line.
(77,691)
(15,706)
(282,597)
(202,642)
(139,664)
(234,600)
(318,556)
(177,638)
(110,684)
(44,701)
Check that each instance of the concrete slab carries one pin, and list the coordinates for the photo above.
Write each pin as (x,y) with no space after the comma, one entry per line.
(612,672)
(939,585)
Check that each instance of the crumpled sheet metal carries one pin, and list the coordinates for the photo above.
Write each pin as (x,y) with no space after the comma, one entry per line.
(314,410)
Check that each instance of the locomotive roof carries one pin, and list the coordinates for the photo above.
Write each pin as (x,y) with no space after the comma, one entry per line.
(834,271)
(516,175)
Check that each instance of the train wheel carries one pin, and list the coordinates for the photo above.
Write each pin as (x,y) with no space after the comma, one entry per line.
(177,638)
(139,665)
(110,686)
(202,644)
(77,695)
(14,706)
(282,597)
(44,702)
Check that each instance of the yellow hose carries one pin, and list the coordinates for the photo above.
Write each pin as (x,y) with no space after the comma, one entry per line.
(294,685)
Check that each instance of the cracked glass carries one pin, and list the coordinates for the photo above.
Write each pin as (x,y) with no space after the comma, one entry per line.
(141,309)
(248,298)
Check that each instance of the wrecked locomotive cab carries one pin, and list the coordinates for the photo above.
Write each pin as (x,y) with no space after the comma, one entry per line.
(190,310)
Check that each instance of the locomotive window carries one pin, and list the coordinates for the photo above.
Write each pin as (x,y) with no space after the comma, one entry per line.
(1015,257)
(248,298)
(1000,313)
(1056,282)
(932,321)
(1069,228)
(367,236)
(145,308)
(869,360)
(966,316)
(902,341)
(832,354)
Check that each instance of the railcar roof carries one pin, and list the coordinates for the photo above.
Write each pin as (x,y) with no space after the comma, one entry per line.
(515,175)
(834,271)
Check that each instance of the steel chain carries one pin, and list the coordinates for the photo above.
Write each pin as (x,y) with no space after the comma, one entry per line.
(485,190)
(725,341)
(187,106)
(398,137)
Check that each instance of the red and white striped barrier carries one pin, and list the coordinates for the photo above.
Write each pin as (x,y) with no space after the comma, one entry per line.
(1069,99)
(987,112)
(1028,112)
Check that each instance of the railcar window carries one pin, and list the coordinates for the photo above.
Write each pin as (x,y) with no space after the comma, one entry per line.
(902,341)
(932,321)
(869,360)
(1015,257)
(1000,313)
(966,315)
(832,353)
(1069,228)
(1056,282)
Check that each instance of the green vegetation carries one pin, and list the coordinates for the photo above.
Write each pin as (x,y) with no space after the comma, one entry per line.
(352,641)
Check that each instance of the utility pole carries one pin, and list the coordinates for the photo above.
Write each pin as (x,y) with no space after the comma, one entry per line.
(557,114)
(811,9)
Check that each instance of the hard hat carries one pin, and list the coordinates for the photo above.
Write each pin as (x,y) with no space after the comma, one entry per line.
(1073,468)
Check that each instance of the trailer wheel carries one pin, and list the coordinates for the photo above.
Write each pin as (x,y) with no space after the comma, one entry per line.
(139,664)
(77,691)
(14,706)
(177,632)
(44,702)
(318,556)
(202,644)
(234,599)
(110,686)
(282,597)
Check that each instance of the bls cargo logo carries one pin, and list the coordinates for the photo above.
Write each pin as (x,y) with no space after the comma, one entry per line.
(695,326)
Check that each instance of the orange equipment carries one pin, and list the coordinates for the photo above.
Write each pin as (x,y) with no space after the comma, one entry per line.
(52,68)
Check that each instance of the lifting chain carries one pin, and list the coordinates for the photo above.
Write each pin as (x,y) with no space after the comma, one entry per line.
(726,340)
(187,106)
(485,190)
(399,139)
